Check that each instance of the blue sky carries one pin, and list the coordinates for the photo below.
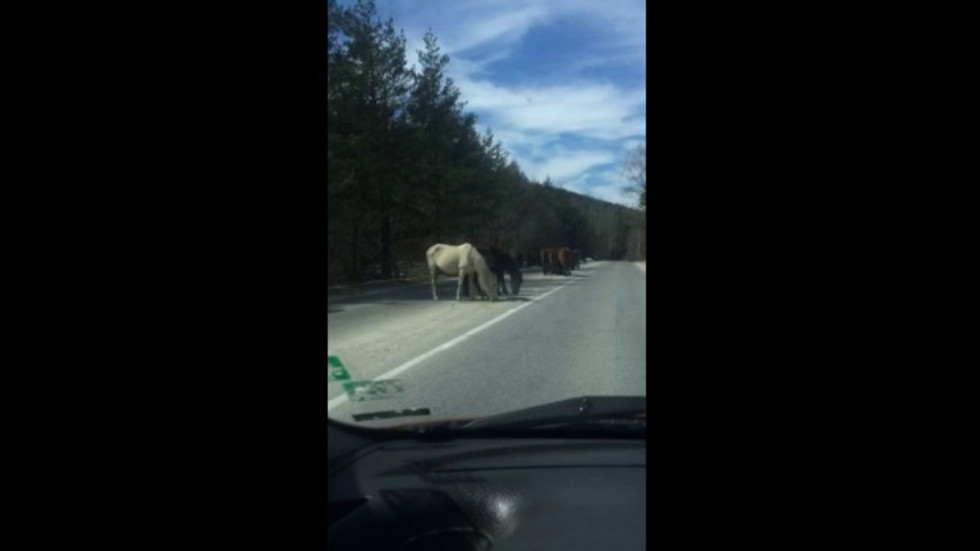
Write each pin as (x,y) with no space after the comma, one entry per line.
(560,82)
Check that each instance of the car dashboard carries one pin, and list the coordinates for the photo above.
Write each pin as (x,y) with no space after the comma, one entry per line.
(485,493)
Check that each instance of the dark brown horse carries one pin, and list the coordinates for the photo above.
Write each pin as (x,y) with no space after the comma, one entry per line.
(499,262)
(564,264)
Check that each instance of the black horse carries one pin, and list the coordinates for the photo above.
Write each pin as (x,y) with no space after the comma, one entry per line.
(498,261)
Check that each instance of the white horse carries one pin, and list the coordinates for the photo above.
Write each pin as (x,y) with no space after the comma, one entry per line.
(460,260)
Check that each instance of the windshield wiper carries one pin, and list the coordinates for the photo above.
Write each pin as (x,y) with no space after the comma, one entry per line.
(601,413)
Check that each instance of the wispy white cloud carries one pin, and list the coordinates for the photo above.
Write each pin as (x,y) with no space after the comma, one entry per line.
(537,132)
(504,27)
(592,110)
(464,24)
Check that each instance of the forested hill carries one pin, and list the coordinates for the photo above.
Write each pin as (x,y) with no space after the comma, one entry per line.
(408,168)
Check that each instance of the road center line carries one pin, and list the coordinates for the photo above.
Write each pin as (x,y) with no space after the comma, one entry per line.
(445,346)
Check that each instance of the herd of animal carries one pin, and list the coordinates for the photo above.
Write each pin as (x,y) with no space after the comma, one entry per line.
(560,261)
(488,267)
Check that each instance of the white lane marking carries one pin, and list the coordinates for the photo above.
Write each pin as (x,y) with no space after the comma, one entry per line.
(445,346)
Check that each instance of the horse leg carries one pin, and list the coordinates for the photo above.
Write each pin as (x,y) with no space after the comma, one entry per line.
(459,286)
(432,280)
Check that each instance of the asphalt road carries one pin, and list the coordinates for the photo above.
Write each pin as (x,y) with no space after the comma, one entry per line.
(562,337)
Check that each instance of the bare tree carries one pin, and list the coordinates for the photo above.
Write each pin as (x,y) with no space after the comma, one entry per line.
(635,171)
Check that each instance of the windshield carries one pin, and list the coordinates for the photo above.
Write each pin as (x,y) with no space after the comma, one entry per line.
(486,208)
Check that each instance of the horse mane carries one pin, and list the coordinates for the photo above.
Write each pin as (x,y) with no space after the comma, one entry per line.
(485,278)
(505,262)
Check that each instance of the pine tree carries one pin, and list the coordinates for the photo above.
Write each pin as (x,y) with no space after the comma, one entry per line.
(368,86)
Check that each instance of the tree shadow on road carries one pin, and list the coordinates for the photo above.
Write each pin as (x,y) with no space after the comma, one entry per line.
(445,288)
